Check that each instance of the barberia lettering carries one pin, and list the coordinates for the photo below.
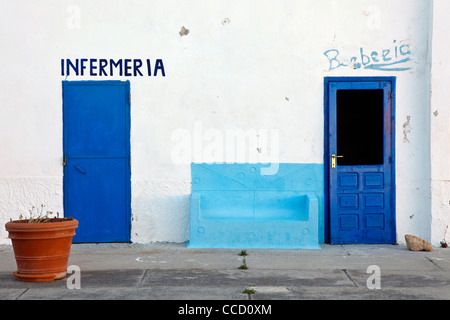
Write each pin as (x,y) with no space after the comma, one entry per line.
(111,67)
(389,59)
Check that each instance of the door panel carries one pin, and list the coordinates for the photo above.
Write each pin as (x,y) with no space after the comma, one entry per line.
(96,152)
(361,198)
(97,197)
(96,120)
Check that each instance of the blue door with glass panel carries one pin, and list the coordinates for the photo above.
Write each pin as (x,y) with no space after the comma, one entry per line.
(359,156)
(96,121)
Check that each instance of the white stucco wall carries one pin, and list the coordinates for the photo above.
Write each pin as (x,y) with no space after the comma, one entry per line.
(440,123)
(243,65)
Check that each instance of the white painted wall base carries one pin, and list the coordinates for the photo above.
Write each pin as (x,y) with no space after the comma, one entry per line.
(19,195)
(160,210)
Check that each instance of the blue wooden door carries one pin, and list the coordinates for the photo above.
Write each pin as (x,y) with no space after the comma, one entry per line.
(96,116)
(360,160)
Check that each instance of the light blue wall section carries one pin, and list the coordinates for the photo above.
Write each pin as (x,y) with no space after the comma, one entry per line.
(238,206)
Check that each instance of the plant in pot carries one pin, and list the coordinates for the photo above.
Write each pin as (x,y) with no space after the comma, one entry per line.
(41,245)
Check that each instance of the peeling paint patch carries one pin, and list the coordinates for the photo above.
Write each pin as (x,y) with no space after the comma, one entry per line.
(183,31)
(225,21)
(406,129)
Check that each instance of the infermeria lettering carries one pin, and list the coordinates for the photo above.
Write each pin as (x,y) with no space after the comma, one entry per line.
(110,67)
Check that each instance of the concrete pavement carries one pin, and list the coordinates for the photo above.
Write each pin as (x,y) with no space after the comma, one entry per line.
(169,271)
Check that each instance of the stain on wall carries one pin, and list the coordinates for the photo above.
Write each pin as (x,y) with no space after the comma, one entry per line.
(406,129)
(183,31)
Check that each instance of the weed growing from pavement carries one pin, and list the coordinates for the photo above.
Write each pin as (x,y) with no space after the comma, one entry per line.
(243,266)
(249,291)
(243,253)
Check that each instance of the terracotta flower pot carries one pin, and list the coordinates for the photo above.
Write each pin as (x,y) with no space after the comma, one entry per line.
(41,249)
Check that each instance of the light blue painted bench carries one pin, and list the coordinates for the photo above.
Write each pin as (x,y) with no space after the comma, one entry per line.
(235,206)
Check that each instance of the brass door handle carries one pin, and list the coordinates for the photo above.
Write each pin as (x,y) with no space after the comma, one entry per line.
(333,160)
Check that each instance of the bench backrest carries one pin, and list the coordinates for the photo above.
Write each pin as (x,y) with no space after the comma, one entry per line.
(242,191)
(304,177)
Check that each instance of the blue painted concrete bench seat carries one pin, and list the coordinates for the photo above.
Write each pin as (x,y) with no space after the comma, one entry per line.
(235,206)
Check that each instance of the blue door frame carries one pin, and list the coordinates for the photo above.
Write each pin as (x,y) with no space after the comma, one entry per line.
(363,184)
(96,146)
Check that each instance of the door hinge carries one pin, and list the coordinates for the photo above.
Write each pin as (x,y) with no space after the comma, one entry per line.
(129,161)
(64,161)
